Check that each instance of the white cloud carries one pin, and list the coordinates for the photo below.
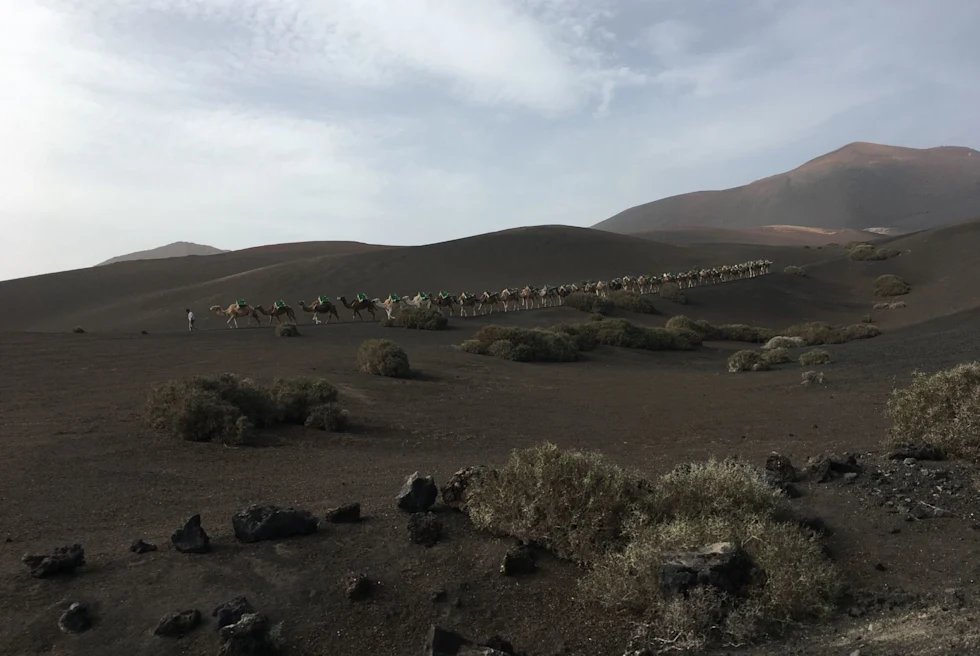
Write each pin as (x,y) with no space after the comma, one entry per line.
(130,123)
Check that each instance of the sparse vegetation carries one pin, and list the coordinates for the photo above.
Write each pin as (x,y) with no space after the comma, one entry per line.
(670,291)
(818,333)
(891,285)
(733,332)
(418,319)
(587,303)
(868,253)
(941,410)
(814,358)
(588,510)
(776,356)
(287,330)
(625,334)
(784,342)
(227,408)
(328,417)
(795,271)
(382,357)
(522,344)
(885,305)
(632,302)
(812,378)
(78,330)
(867,318)
(747,360)
(621,299)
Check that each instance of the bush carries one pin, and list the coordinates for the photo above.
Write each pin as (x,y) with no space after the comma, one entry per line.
(890,285)
(814,358)
(680,322)
(812,378)
(868,253)
(328,417)
(941,410)
(733,332)
(623,333)
(296,397)
(817,333)
(776,356)
(795,271)
(669,291)
(418,319)
(287,330)
(382,357)
(747,360)
(694,338)
(885,305)
(867,318)
(78,330)
(526,345)
(632,302)
(588,303)
(502,348)
(784,342)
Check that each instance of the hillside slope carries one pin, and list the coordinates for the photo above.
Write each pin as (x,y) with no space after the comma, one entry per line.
(176,249)
(857,187)
(764,235)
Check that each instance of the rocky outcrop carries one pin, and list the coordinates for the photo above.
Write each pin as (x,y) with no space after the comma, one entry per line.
(454,492)
(257,523)
(417,494)
(349,513)
(62,560)
(191,537)
(424,529)
(179,624)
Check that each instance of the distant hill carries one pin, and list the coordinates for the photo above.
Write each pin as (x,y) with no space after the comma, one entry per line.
(176,249)
(763,235)
(862,186)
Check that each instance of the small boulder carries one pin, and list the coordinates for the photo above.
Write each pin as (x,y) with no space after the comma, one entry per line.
(918,452)
(722,565)
(519,560)
(249,636)
(417,494)
(257,523)
(191,538)
(357,587)
(780,468)
(424,529)
(826,468)
(77,619)
(454,492)
(347,514)
(140,547)
(63,560)
(176,625)
(231,611)
(441,642)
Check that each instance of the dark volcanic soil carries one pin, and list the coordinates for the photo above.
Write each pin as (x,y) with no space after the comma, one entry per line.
(76,465)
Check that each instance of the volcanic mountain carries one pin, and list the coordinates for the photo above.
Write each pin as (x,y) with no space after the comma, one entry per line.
(176,249)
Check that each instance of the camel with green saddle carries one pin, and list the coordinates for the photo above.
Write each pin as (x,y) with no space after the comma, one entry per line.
(321,304)
(361,302)
(276,311)
(235,310)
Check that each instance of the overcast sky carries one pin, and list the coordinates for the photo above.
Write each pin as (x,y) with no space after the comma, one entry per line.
(128,124)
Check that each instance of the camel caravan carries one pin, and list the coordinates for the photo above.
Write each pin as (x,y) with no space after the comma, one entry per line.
(511,299)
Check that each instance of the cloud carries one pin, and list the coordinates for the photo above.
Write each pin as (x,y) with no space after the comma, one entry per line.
(239,122)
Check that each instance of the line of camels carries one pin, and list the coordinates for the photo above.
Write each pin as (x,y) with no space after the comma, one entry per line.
(510,299)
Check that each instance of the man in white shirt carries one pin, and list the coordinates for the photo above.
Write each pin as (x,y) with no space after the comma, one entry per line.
(190,321)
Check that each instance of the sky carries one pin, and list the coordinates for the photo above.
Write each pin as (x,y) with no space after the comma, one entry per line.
(129,124)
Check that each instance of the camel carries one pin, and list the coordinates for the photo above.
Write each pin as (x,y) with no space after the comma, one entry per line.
(235,310)
(321,304)
(466,300)
(487,298)
(362,302)
(421,300)
(276,310)
(391,304)
(509,297)
(444,300)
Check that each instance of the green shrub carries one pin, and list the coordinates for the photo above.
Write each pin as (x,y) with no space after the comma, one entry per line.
(382,357)
(591,303)
(418,319)
(941,410)
(784,342)
(890,285)
(527,345)
(692,337)
(327,417)
(747,360)
(669,291)
(817,333)
(502,348)
(868,253)
(625,334)
(776,356)
(296,397)
(632,302)
(287,330)
(732,332)
(795,271)
(814,358)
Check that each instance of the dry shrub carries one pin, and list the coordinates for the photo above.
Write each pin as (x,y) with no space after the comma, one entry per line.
(812,378)
(680,322)
(814,358)
(418,319)
(891,285)
(867,318)
(817,333)
(632,302)
(296,397)
(694,338)
(733,332)
(941,409)
(588,303)
(625,334)
(328,417)
(502,348)
(78,330)
(776,356)
(795,271)
(885,305)
(868,253)
(747,360)
(573,503)
(669,291)
(526,345)
(784,342)
(382,357)
(722,488)
(287,330)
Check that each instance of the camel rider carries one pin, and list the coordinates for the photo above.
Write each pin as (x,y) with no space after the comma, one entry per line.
(190,320)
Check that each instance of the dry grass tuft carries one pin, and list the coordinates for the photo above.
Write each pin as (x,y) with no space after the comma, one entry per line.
(891,285)
(747,360)
(814,358)
(382,357)
(941,409)
(625,334)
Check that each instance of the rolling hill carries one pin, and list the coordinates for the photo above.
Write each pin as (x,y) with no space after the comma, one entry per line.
(858,187)
(176,249)
(764,235)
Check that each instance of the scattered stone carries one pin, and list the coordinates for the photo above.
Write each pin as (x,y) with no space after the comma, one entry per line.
(230,612)
(77,619)
(249,636)
(781,468)
(722,565)
(918,452)
(440,642)
(454,491)
(140,547)
(501,645)
(440,597)
(424,529)
(63,560)
(417,494)
(179,624)
(909,462)
(257,523)
(347,514)
(881,567)
(826,468)
(357,587)
(953,599)
(191,538)
(519,560)
(850,476)
(792,491)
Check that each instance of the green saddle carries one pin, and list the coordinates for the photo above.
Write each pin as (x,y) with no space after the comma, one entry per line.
(324,300)
(395,298)
(242,303)
(444,295)
(280,305)
(362,297)
(423,296)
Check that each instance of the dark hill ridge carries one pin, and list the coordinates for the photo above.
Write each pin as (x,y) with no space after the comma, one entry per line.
(858,187)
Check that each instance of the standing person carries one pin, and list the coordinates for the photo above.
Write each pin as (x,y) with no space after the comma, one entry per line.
(190,320)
